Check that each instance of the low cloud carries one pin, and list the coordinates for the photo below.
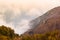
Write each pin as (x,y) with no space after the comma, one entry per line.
(19,22)
(18,13)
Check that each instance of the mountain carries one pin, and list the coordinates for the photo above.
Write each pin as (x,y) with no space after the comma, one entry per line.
(50,21)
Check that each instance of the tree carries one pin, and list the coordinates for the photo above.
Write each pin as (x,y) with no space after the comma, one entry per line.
(6,33)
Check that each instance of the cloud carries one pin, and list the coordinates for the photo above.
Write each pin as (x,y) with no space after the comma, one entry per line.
(17,22)
(17,5)
(23,26)
(35,12)
(18,13)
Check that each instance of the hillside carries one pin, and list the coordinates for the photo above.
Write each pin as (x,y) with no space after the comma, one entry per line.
(45,27)
(50,21)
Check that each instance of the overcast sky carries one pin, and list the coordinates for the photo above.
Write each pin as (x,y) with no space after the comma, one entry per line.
(18,13)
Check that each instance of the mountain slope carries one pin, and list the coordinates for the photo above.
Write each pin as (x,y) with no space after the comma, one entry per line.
(48,22)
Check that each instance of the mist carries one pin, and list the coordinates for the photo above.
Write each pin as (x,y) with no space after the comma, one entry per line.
(20,22)
(17,14)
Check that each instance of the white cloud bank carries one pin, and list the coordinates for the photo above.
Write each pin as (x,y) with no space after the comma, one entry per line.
(18,13)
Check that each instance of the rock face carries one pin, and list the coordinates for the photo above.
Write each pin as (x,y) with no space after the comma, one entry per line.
(48,22)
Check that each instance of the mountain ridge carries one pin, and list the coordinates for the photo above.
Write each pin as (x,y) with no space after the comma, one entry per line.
(48,17)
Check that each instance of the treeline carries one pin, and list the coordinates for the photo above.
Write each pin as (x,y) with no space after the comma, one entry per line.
(7,33)
(54,35)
